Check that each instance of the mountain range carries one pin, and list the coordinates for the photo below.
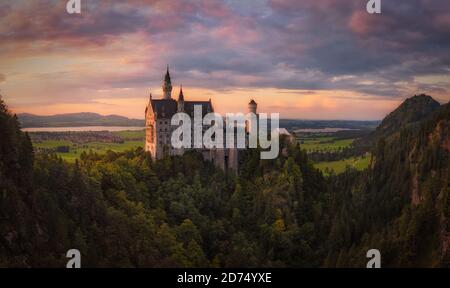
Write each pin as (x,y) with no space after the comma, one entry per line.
(76,120)
(81,119)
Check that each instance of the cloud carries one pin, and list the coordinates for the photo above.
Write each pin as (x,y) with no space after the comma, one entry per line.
(286,44)
(2,77)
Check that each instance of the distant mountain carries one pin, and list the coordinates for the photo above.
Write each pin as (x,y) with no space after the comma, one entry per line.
(411,111)
(76,119)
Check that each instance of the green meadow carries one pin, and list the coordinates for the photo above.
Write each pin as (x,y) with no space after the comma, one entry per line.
(98,147)
(135,139)
(132,140)
(324,143)
(327,143)
(131,134)
(359,163)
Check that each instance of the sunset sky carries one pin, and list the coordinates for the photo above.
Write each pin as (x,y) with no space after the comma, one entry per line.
(308,59)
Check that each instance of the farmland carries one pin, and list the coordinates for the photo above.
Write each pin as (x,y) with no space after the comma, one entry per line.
(333,152)
(324,143)
(69,146)
(359,163)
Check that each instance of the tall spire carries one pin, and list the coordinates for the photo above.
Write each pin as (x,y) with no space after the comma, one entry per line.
(167,78)
(180,103)
(181,96)
(167,86)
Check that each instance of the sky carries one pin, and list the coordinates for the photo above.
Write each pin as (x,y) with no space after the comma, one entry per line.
(308,59)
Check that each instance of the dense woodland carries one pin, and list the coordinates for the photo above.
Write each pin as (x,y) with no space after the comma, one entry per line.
(126,210)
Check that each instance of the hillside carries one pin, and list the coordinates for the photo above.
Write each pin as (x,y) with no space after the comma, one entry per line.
(401,205)
(76,120)
(410,112)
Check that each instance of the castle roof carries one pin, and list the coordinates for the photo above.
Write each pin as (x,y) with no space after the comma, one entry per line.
(189,107)
(166,108)
(252,102)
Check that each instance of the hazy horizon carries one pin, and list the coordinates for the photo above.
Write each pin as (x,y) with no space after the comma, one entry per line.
(105,115)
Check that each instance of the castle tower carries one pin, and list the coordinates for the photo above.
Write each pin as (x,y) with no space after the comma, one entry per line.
(167,86)
(180,102)
(252,106)
(150,131)
(158,128)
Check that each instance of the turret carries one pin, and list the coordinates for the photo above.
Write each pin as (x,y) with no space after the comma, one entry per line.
(167,86)
(148,105)
(252,123)
(180,102)
(252,106)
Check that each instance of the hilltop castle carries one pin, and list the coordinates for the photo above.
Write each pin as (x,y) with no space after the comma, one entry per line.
(158,129)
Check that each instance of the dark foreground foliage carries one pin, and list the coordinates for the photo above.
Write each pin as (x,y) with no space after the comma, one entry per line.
(125,210)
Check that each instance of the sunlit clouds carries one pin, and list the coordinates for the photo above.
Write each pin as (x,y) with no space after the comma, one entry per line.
(317,59)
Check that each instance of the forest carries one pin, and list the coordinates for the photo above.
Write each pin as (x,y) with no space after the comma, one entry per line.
(127,210)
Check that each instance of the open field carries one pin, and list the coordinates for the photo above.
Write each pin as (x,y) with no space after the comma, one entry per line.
(130,134)
(359,163)
(98,147)
(131,140)
(135,139)
(328,142)
(325,143)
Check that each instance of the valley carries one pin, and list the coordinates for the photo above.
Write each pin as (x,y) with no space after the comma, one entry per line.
(124,209)
(70,145)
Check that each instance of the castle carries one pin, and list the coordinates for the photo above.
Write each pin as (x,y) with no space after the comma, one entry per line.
(158,128)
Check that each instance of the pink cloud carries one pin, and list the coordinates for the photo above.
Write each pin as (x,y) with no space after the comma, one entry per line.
(363,23)
(442,22)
